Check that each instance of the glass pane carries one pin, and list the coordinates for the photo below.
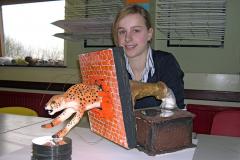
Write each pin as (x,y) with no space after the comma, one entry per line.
(28,33)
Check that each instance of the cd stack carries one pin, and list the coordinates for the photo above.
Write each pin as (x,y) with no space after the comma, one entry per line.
(48,148)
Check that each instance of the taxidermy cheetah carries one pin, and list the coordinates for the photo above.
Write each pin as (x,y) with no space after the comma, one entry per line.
(82,97)
(77,99)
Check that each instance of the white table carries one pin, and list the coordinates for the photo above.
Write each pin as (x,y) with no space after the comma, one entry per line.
(16,144)
(212,147)
(10,122)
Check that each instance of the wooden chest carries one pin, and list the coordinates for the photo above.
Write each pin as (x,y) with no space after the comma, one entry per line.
(156,134)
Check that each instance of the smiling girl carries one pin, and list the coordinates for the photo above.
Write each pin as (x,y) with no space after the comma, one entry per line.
(132,30)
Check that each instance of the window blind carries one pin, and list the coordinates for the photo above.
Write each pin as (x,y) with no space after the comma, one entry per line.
(191,22)
(88,19)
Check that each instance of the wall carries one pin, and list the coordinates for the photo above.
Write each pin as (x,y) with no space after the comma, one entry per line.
(212,68)
(203,67)
(212,60)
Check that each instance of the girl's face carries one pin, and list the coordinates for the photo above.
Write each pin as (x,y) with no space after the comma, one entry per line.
(133,35)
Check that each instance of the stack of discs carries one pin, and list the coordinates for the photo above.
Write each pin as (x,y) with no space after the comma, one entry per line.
(48,148)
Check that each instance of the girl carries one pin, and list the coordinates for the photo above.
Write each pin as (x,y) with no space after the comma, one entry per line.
(132,30)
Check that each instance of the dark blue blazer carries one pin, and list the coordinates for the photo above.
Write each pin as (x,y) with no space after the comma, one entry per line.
(167,70)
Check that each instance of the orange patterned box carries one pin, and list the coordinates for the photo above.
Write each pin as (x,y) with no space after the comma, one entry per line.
(115,119)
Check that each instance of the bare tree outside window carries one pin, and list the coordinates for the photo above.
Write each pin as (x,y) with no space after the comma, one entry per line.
(28,33)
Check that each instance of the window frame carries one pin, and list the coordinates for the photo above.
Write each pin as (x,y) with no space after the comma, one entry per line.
(11,2)
(7,2)
(1,33)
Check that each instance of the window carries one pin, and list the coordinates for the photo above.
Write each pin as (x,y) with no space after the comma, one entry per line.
(191,23)
(91,21)
(28,34)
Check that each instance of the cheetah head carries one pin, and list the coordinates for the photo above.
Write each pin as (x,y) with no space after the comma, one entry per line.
(55,104)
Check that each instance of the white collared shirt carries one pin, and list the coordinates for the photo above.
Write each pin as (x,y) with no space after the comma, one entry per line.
(149,67)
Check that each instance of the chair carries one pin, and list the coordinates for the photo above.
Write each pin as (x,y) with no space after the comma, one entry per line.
(18,111)
(226,123)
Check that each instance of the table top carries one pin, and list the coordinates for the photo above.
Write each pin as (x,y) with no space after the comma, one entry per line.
(16,143)
(9,122)
(212,147)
